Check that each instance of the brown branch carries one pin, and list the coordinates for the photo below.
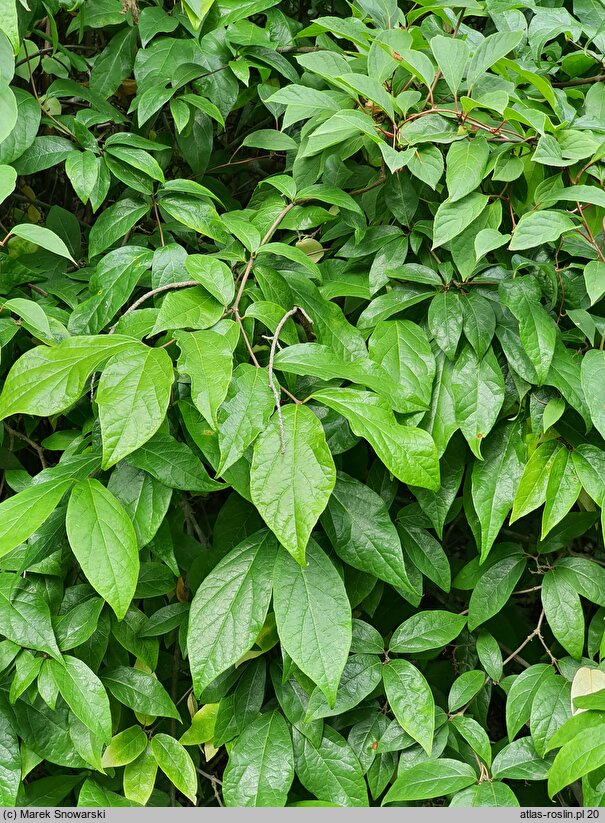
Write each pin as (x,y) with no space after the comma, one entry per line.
(580,81)
(32,443)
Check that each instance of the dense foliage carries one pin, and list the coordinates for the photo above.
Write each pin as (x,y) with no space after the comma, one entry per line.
(303,402)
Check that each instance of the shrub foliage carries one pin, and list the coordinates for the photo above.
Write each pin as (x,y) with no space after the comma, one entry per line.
(303,402)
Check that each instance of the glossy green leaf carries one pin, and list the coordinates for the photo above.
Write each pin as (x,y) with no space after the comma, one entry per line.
(261,764)
(407,452)
(411,700)
(133,396)
(292,476)
(229,608)
(103,540)
(313,617)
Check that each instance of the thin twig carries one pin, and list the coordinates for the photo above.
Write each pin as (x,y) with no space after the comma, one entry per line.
(158,221)
(272,385)
(580,81)
(183,284)
(537,632)
(35,446)
(215,782)
(273,228)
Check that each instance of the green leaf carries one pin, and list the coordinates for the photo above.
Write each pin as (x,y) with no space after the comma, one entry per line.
(84,694)
(584,754)
(43,237)
(551,708)
(140,691)
(478,390)
(521,696)
(474,734)
(125,747)
(593,366)
(594,279)
(537,329)
(490,50)
(403,351)
(214,275)
(411,700)
(494,481)
(452,56)
(520,761)
(478,322)
(465,167)
(25,618)
(562,491)
(464,688)
(330,771)
(229,608)
(490,793)
(494,588)
(531,491)
(48,380)
(173,463)
(83,169)
(139,777)
(452,218)
(244,414)
(133,396)
(202,726)
(8,181)
(433,778)
(32,314)
(426,630)
(22,514)
(362,533)
(207,359)
(445,319)
(563,612)
(292,476)
(538,227)
(408,452)
(361,675)
(10,756)
(114,223)
(313,617)
(192,308)
(104,542)
(174,760)
(260,770)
